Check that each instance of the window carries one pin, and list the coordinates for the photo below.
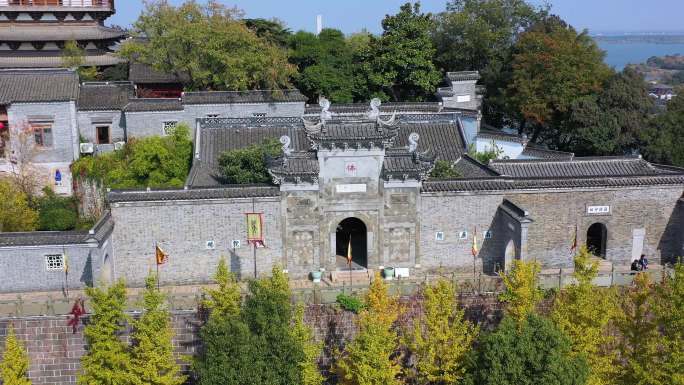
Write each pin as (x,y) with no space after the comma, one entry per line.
(42,134)
(259,114)
(102,134)
(210,245)
(488,234)
(439,236)
(236,243)
(54,262)
(4,140)
(168,125)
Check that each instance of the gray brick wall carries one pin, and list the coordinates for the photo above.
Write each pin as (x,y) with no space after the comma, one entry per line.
(182,229)
(88,120)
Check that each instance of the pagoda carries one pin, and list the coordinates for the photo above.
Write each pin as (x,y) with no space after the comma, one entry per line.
(34,32)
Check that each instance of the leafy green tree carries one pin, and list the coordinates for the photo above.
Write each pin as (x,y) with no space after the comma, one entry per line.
(639,337)
(479,35)
(369,358)
(325,65)
(585,313)
(610,122)
(14,366)
(107,360)
(534,352)
(273,31)
(442,339)
(661,140)
(443,170)
(209,44)
(522,293)
(552,66)
(668,309)
(248,164)
(225,300)
(56,213)
(152,357)
(15,212)
(303,335)
(492,152)
(400,65)
(73,56)
(150,162)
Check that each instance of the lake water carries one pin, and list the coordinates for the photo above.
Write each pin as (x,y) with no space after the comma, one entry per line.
(619,55)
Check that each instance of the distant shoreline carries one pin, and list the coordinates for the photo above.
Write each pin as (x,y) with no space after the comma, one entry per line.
(635,39)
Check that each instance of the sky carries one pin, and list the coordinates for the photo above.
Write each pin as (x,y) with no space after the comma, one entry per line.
(599,16)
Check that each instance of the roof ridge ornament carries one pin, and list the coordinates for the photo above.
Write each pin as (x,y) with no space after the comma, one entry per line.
(413,141)
(285,141)
(389,122)
(325,107)
(374,113)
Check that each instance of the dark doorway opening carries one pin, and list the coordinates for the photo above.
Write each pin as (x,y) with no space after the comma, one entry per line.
(103,135)
(352,232)
(597,236)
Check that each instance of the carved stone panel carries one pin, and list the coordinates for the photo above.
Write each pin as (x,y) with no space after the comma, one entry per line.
(303,248)
(399,242)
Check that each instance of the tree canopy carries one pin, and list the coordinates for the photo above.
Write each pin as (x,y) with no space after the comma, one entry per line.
(248,164)
(14,365)
(210,45)
(15,212)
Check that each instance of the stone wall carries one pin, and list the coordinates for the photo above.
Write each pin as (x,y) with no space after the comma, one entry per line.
(183,229)
(88,120)
(55,352)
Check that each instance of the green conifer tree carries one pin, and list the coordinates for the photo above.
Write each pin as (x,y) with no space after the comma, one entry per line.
(639,345)
(303,335)
(669,313)
(152,353)
(369,357)
(522,292)
(441,340)
(585,313)
(107,360)
(225,300)
(15,363)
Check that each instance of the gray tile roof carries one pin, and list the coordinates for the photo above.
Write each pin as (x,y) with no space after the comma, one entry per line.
(234,97)
(493,134)
(104,96)
(385,108)
(471,168)
(153,104)
(442,139)
(577,167)
(540,152)
(58,32)
(53,59)
(38,86)
(463,75)
(296,167)
(98,234)
(225,192)
(400,164)
(140,73)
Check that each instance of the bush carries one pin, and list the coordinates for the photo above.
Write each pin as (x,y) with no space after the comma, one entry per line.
(349,302)
(150,162)
(56,213)
(248,165)
(444,170)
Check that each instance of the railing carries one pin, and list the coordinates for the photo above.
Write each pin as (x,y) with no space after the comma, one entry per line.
(108,4)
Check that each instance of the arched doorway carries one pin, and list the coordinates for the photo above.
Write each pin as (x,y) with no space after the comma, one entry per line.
(597,235)
(509,256)
(352,232)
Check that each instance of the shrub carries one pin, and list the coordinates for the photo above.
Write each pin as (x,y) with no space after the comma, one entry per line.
(15,212)
(248,165)
(444,170)
(56,213)
(350,302)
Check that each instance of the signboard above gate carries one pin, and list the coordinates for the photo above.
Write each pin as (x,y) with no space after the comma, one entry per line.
(598,210)
(350,188)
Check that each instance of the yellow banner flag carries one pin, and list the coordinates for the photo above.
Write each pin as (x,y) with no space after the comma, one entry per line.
(255,228)
(160,255)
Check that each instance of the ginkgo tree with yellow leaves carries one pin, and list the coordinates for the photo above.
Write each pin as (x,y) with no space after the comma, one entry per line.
(522,293)
(15,363)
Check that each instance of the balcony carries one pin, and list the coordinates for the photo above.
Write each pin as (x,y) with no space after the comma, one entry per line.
(57,4)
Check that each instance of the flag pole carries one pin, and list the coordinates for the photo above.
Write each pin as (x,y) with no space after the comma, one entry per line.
(66,271)
(349,260)
(156,262)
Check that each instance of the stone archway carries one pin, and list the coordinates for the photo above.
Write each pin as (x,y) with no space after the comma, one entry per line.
(509,255)
(352,232)
(597,237)
(106,273)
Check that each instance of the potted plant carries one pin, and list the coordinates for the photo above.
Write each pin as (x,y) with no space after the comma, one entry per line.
(316,275)
(388,273)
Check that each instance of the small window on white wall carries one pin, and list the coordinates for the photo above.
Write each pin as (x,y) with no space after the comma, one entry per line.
(54,262)
(462,98)
(168,125)
(439,236)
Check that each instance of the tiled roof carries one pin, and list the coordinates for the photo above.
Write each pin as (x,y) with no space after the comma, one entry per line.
(296,167)
(385,108)
(57,32)
(104,96)
(38,86)
(153,104)
(233,97)
(537,151)
(493,134)
(442,139)
(515,211)
(53,59)
(358,134)
(140,73)
(463,75)
(400,164)
(471,168)
(98,233)
(577,167)
(225,192)
(505,184)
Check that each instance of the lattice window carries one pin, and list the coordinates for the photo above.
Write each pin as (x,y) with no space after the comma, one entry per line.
(54,262)
(168,125)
